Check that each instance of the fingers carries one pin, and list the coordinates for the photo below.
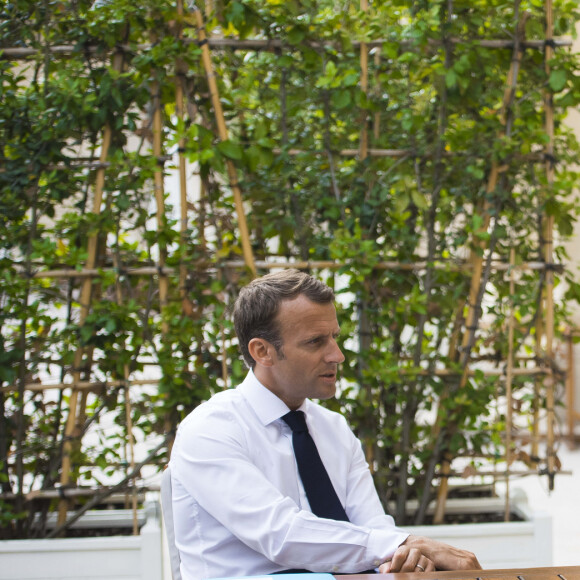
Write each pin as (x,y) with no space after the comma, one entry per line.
(406,559)
(426,564)
(444,556)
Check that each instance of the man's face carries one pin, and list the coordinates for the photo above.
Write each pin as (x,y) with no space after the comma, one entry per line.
(307,363)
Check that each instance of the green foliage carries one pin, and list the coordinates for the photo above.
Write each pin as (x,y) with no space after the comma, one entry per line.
(293,114)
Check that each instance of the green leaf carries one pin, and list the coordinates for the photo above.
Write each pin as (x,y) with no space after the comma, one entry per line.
(557,80)
(401,202)
(351,79)
(419,199)
(450,78)
(296,35)
(341,99)
(230,149)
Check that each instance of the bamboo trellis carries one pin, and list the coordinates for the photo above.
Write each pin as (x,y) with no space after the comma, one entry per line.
(476,266)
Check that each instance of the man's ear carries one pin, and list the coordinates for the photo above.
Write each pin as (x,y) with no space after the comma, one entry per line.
(261,351)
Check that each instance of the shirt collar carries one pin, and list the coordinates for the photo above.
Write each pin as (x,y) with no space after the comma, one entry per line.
(267,406)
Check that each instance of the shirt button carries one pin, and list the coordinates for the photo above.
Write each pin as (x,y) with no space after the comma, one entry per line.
(377,563)
(335,568)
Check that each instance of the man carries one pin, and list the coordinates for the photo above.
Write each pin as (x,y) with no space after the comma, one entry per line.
(239,500)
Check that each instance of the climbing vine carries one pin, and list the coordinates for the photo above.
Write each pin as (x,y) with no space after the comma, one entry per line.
(393,175)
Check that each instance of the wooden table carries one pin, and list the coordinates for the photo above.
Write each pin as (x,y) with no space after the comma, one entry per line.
(554,573)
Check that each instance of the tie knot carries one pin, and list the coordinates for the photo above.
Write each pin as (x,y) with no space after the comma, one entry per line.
(296,420)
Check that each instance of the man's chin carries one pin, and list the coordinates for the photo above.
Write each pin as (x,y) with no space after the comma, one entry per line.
(327,391)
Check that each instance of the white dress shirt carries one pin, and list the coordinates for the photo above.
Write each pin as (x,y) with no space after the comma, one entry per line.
(238,502)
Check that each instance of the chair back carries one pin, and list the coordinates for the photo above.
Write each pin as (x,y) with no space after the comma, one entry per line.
(167,509)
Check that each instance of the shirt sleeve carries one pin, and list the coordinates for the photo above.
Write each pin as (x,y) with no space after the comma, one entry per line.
(364,507)
(212,463)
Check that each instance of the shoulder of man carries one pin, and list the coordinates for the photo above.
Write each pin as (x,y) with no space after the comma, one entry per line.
(221,406)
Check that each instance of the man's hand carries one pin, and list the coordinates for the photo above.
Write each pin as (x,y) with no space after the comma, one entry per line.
(420,552)
(407,559)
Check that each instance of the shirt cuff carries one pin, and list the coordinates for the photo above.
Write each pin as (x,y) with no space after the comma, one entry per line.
(383,543)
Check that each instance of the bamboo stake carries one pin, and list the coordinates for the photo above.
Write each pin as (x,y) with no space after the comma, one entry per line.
(80,385)
(500,475)
(364,85)
(85,302)
(509,395)
(179,109)
(97,386)
(269,264)
(477,257)
(83,163)
(535,442)
(223,135)
(377,116)
(570,388)
(158,184)
(130,439)
(371,152)
(549,247)
(74,491)
(259,44)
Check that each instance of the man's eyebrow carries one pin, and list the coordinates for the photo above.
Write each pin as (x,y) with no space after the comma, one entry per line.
(313,337)
(334,334)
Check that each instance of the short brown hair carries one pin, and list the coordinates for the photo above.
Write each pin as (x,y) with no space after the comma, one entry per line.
(257,306)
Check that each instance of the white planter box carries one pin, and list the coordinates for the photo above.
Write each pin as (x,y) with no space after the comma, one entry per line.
(497,545)
(103,558)
(522,544)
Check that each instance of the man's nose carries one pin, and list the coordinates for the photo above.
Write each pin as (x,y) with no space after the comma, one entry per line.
(335,354)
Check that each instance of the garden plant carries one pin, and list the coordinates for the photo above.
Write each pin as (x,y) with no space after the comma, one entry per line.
(155,156)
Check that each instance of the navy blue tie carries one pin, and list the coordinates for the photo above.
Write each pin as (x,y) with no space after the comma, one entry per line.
(319,490)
